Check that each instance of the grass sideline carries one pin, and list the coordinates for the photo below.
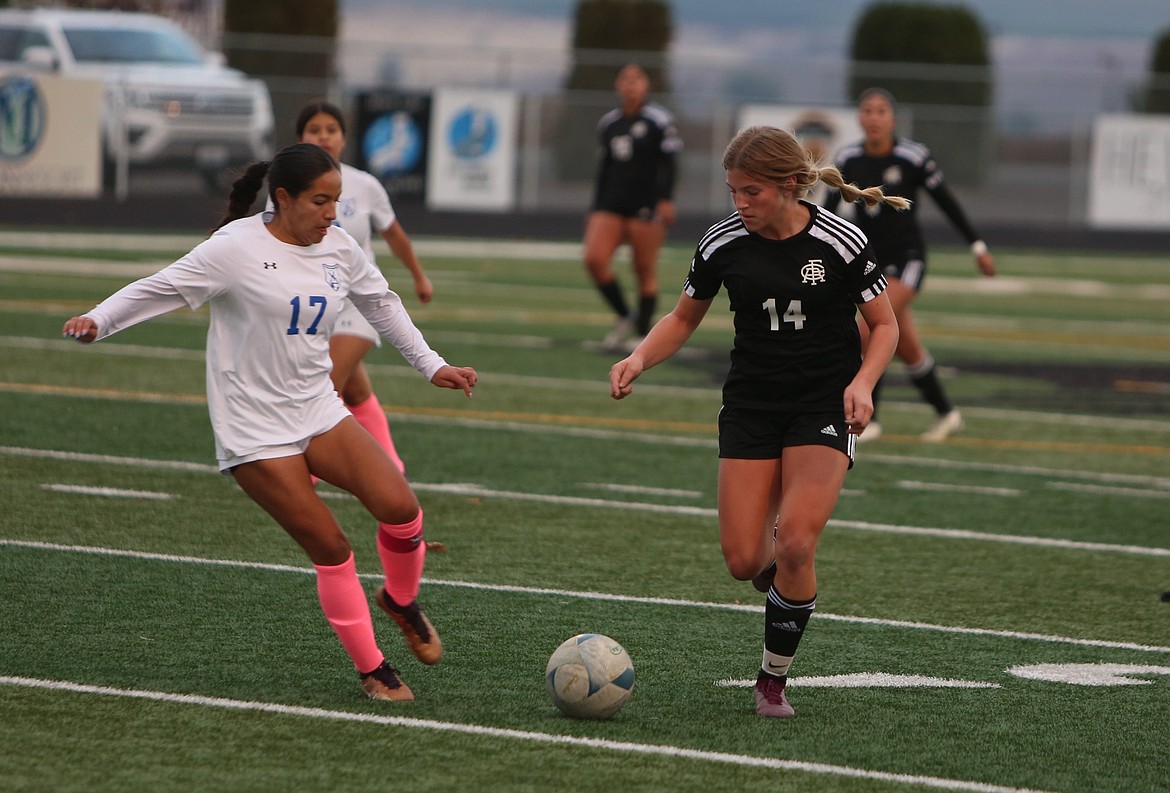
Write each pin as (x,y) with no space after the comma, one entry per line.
(162,632)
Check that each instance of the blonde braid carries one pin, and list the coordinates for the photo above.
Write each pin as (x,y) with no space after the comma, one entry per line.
(871,196)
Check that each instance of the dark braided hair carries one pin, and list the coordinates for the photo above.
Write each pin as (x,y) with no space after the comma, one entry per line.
(294,168)
(312,109)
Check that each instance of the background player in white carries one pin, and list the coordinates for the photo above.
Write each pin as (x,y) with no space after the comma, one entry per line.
(364,208)
(901,167)
(798,391)
(273,288)
(633,200)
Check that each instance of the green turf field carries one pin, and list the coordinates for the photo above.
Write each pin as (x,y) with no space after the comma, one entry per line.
(989,615)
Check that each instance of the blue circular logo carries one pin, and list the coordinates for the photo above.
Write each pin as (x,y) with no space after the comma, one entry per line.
(22,117)
(472,133)
(392,144)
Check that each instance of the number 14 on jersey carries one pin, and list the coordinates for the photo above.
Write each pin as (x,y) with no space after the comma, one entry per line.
(792,314)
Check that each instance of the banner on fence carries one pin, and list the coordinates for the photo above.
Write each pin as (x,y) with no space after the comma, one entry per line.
(1129,172)
(50,136)
(472,157)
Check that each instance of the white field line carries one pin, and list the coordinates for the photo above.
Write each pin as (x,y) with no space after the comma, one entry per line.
(465,489)
(571,252)
(656,750)
(585,595)
(666,492)
(708,393)
(1125,492)
(943,487)
(111,492)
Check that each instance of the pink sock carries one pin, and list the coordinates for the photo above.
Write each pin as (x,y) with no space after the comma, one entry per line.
(345,605)
(403,552)
(371,416)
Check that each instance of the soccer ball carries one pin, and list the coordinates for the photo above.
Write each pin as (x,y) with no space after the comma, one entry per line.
(589,676)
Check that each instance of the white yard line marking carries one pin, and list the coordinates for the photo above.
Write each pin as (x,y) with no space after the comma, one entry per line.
(566,384)
(601,596)
(111,492)
(943,487)
(866,680)
(666,492)
(964,534)
(658,750)
(1127,492)
(475,490)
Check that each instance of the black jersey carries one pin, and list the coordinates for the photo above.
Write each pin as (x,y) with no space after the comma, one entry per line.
(637,168)
(795,301)
(906,169)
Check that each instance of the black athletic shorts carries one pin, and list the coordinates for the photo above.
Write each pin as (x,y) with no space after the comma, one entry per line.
(908,266)
(764,434)
(636,210)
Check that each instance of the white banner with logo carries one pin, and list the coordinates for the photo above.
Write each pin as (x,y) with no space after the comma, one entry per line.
(50,136)
(822,130)
(1129,172)
(471,161)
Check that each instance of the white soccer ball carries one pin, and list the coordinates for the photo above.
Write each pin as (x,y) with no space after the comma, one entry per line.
(590,676)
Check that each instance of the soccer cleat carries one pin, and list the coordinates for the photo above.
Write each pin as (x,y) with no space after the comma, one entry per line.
(420,634)
(770,699)
(871,433)
(763,580)
(943,427)
(614,341)
(384,683)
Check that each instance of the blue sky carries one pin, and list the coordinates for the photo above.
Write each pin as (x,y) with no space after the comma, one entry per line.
(1054,56)
(1084,19)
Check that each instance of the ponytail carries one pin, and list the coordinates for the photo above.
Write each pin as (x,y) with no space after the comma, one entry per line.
(776,155)
(244,192)
(870,196)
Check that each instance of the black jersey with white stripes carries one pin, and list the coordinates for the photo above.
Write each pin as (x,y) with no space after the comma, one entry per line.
(794,303)
(637,168)
(907,168)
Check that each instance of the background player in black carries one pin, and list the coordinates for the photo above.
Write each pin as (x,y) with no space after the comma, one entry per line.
(633,200)
(798,391)
(901,167)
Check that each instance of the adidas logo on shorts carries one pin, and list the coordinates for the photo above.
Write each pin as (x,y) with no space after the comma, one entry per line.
(829,430)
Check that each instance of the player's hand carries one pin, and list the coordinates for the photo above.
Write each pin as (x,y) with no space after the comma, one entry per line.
(423,289)
(622,376)
(84,329)
(463,378)
(858,408)
(986,264)
(665,213)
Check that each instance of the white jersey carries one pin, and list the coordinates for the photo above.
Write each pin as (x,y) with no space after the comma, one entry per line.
(364,207)
(272,304)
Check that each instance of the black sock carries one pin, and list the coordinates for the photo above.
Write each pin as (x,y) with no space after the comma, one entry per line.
(646,306)
(784,623)
(924,376)
(612,292)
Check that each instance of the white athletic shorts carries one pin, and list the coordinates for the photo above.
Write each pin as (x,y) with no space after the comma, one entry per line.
(350,322)
(332,414)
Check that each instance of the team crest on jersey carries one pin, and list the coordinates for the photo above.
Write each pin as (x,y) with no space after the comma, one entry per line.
(346,207)
(892,175)
(638,129)
(813,272)
(331,276)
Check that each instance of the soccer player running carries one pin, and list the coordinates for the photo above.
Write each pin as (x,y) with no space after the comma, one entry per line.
(798,391)
(364,207)
(901,166)
(632,201)
(274,286)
